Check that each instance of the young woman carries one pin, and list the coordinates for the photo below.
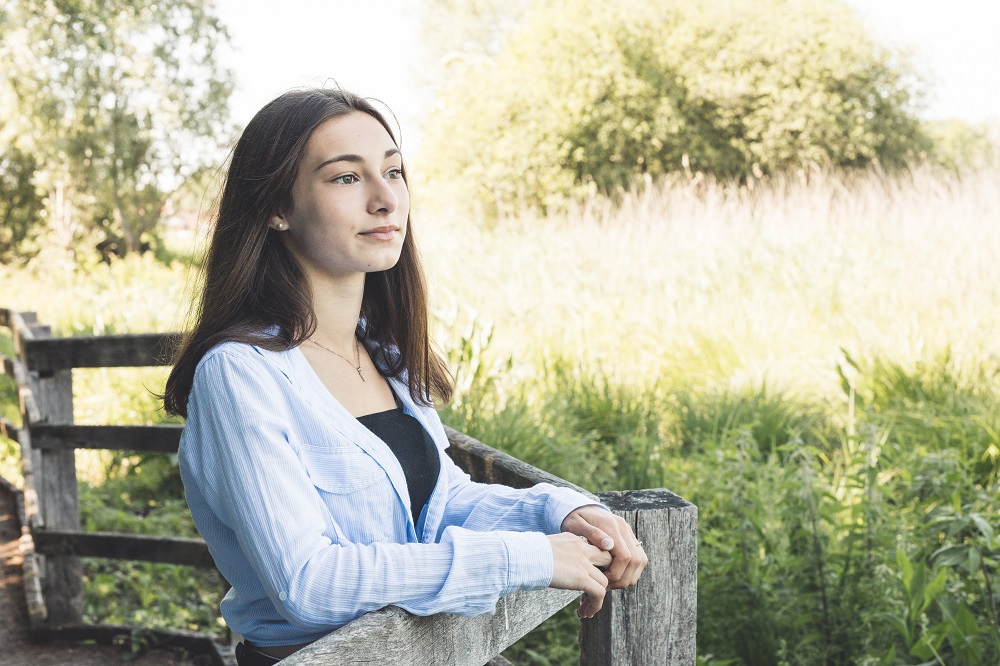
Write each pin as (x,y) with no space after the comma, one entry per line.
(313,460)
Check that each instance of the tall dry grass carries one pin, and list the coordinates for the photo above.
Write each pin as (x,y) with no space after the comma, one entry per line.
(737,285)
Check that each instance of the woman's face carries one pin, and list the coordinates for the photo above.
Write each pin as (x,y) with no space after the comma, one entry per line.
(349,200)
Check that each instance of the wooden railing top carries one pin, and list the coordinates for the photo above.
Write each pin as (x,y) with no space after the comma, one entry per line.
(46,355)
(393,636)
(100,351)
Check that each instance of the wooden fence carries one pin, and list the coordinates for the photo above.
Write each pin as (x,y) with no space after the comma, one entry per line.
(652,623)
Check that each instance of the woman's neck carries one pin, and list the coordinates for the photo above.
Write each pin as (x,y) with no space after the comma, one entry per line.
(337,304)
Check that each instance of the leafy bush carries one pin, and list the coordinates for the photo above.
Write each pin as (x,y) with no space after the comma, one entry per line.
(21,204)
(143,495)
(824,537)
(584,96)
(957,144)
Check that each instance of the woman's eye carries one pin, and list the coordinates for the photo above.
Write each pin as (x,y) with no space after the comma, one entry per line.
(346,179)
(394,173)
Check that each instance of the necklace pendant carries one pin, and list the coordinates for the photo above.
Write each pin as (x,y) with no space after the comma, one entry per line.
(362,374)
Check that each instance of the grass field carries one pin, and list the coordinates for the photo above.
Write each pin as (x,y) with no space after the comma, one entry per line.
(812,360)
(736,286)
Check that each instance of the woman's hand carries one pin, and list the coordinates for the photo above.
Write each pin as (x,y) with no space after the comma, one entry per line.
(611,533)
(575,564)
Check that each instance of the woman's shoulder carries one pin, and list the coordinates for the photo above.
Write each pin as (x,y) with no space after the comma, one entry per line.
(247,355)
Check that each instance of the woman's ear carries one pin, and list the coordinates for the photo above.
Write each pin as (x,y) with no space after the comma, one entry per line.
(278,223)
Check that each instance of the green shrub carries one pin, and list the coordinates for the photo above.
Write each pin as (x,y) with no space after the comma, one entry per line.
(585,97)
(957,144)
(21,204)
(824,537)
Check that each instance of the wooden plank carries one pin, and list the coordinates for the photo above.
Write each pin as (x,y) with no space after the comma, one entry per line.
(31,576)
(393,636)
(655,621)
(498,661)
(11,318)
(9,430)
(115,546)
(488,465)
(14,368)
(24,329)
(29,407)
(109,633)
(29,461)
(29,563)
(30,412)
(20,326)
(163,438)
(55,481)
(100,351)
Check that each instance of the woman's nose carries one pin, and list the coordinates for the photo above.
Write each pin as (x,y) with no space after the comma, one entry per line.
(382,200)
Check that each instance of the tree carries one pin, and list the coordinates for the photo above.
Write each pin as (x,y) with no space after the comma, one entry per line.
(21,205)
(585,97)
(118,101)
(959,145)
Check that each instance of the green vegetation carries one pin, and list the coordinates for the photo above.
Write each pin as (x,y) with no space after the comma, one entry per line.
(960,145)
(688,291)
(580,97)
(107,107)
(810,358)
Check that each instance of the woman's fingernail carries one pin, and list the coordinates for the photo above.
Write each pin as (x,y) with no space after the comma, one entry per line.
(608,543)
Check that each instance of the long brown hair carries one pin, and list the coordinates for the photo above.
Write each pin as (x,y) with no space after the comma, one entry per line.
(252,283)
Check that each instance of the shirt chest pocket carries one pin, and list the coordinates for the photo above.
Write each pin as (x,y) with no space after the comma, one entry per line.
(341,469)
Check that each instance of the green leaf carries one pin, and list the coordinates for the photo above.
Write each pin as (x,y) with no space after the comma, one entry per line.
(965,622)
(897,623)
(905,568)
(934,588)
(950,556)
(984,527)
(928,646)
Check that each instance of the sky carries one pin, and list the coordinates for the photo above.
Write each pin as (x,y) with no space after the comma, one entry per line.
(953,42)
(373,48)
(367,47)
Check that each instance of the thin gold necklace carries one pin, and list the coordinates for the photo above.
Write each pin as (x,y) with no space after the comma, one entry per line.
(357,357)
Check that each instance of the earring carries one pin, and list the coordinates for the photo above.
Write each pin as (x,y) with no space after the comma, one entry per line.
(280,226)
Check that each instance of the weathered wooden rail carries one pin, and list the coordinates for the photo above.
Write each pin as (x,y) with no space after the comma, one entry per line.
(652,623)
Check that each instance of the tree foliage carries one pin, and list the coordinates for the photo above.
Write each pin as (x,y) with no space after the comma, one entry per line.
(21,205)
(585,96)
(117,101)
(961,145)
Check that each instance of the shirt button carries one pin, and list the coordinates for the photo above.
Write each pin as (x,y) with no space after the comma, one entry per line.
(282,596)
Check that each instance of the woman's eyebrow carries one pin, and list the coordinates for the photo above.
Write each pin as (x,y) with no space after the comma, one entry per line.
(357,159)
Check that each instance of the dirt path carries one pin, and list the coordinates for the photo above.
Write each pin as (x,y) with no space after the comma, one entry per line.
(15,648)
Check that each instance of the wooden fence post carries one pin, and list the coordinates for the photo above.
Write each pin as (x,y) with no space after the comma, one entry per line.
(57,492)
(653,622)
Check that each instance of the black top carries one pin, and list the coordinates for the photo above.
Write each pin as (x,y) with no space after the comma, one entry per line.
(416,451)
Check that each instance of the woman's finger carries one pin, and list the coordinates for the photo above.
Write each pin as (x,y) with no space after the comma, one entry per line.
(622,556)
(598,557)
(598,537)
(636,565)
(594,599)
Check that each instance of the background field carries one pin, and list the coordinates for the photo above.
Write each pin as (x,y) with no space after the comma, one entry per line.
(811,359)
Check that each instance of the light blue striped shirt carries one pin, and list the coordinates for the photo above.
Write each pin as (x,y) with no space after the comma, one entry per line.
(306,512)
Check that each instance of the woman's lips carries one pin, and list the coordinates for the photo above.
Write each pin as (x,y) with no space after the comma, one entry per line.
(381,233)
